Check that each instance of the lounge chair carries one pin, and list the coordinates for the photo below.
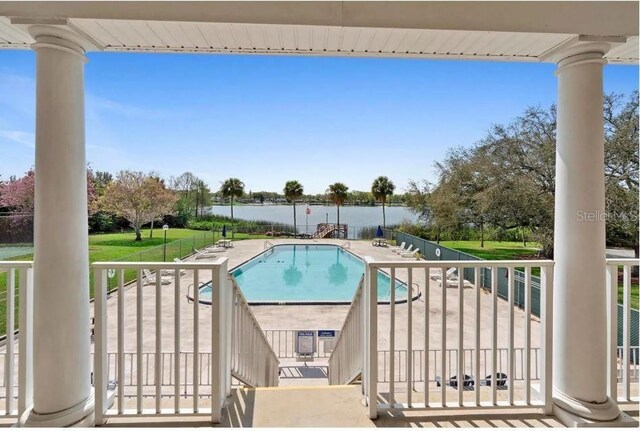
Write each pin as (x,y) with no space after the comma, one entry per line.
(501,381)
(171,272)
(410,254)
(449,275)
(405,250)
(396,248)
(148,278)
(209,253)
(467,384)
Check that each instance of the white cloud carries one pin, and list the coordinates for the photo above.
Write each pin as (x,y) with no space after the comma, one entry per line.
(27,139)
(97,105)
(18,93)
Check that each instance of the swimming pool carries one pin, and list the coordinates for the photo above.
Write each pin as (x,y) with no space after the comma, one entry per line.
(305,274)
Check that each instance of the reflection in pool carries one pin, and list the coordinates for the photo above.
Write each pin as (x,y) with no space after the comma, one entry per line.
(305,274)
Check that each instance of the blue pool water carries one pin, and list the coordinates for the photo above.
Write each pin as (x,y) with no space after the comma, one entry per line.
(305,273)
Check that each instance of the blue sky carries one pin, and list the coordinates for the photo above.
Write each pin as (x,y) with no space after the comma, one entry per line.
(267,120)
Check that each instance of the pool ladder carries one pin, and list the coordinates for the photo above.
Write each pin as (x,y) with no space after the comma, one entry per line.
(268,244)
(346,245)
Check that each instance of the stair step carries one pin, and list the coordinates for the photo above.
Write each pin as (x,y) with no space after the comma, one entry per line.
(305,406)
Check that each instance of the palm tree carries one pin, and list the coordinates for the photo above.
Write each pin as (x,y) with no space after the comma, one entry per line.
(293,190)
(338,194)
(232,188)
(380,189)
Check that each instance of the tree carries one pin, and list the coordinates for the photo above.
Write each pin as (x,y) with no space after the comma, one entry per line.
(434,208)
(357,197)
(18,194)
(155,176)
(186,186)
(232,188)
(101,180)
(621,170)
(337,194)
(463,187)
(203,196)
(137,197)
(507,180)
(293,190)
(381,188)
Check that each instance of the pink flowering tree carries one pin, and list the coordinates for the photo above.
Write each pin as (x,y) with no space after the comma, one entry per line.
(19,194)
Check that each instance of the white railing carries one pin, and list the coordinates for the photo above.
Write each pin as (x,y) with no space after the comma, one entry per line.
(418,359)
(17,384)
(138,315)
(268,244)
(253,361)
(623,359)
(434,329)
(345,362)
(167,374)
(346,245)
(633,364)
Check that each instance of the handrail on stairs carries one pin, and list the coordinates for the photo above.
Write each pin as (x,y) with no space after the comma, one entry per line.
(346,360)
(253,360)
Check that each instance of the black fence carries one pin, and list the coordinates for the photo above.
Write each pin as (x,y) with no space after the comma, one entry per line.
(16,228)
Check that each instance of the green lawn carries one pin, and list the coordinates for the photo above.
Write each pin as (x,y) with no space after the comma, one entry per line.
(122,246)
(635,291)
(496,250)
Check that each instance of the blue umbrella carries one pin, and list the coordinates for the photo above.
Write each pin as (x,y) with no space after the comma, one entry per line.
(224,231)
(379,233)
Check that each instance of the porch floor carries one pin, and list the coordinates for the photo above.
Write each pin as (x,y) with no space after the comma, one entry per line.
(339,406)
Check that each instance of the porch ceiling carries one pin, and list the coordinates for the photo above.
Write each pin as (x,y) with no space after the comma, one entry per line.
(489,31)
(168,36)
(514,31)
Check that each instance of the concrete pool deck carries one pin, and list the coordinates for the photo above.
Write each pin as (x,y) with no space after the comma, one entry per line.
(313,316)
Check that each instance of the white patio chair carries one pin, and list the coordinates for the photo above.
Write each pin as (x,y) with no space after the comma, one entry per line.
(209,253)
(149,278)
(450,274)
(171,272)
(395,248)
(413,253)
(406,250)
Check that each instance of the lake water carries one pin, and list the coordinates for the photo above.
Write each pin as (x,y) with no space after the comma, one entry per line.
(355,217)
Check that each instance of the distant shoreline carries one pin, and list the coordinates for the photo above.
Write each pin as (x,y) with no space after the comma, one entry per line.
(270,204)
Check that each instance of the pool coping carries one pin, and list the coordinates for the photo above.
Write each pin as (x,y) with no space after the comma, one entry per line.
(349,302)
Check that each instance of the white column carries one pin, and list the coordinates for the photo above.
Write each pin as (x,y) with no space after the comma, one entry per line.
(579,309)
(62,393)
